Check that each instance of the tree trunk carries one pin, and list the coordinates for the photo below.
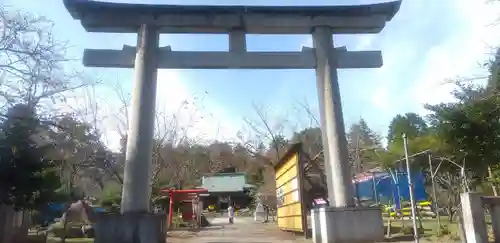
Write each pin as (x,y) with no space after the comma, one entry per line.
(6,216)
(493,187)
(389,226)
(451,213)
(21,226)
(461,231)
(65,226)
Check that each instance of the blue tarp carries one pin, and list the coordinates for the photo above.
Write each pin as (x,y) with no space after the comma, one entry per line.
(59,207)
(387,185)
(55,210)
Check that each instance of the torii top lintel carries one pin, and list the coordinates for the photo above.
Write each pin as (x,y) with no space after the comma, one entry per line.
(98,16)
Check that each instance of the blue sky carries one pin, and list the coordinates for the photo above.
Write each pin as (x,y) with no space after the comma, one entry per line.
(427,42)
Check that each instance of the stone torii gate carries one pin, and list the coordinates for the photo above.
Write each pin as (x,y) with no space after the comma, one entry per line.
(149,21)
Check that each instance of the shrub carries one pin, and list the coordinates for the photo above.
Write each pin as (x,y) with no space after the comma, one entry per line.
(72,230)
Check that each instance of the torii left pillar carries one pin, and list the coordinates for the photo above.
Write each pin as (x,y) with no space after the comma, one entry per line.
(136,224)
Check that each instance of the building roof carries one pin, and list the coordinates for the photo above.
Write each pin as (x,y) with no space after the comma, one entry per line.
(110,17)
(225,182)
(226,174)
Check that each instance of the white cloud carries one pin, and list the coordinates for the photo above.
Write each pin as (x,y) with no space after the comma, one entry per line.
(460,55)
(192,115)
(380,98)
(208,119)
(456,55)
(465,36)
(440,65)
(364,42)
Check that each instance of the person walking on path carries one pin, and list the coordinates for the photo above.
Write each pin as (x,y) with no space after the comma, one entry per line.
(230,213)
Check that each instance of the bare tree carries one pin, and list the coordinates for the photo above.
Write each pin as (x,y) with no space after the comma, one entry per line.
(302,107)
(312,140)
(32,68)
(174,135)
(310,134)
(31,61)
(171,141)
(220,156)
(82,150)
(266,130)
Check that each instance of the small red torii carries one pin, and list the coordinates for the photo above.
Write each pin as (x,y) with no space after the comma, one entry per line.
(180,194)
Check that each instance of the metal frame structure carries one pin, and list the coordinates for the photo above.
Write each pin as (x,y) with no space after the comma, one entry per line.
(433,171)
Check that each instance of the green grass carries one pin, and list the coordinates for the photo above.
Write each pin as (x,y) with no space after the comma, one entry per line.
(430,233)
(430,229)
(53,239)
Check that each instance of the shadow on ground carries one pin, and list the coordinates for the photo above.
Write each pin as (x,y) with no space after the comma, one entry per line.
(212,227)
(399,238)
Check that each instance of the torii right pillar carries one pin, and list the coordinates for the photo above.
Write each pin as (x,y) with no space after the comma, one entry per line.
(342,221)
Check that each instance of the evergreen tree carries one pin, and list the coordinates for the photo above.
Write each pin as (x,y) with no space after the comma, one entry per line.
(412,124)
(362,143)
(362,134)
(27,179)
(494,70)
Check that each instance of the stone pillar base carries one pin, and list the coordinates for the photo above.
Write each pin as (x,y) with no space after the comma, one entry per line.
(259,216)
(130,228)
(342,225)
(474,223)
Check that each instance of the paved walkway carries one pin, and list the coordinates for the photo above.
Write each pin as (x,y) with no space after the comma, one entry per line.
(244,230)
